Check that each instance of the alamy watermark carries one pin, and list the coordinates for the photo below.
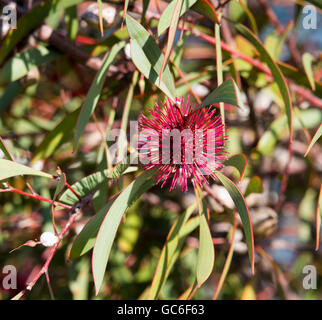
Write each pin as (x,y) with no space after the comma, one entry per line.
(309,280)
(310,17)
(167,146)
(9,278)
(9,16)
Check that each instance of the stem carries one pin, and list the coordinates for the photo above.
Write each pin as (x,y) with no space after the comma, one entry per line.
(71,188)
(44,269)
(219,65)
(182,76)
(305,93)
(37,196)
(228,260)
(102,137)
(128,102)
(52,296)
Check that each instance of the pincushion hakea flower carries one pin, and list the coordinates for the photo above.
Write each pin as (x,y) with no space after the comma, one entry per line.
(182,140)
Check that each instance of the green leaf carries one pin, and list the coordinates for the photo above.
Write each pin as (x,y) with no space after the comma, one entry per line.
(79,279)
(56,137)
(10,169)
(100,16)
(171,250)
(165,19)
(206,252)
(126,4)
(18,66)
(255,185)
(171,34)
(315,138)
(299,77)
(205,8)
(276,72)
(31,20)
(108,228)
(71,23)
(148,58)
(227,92)
(10,93)
(250,16)
(274,42)
(239,161)
(91,183)
(85,240)
(219,67)
(95,91)
(5,150)
(243,211)
(307,60)
(60,185)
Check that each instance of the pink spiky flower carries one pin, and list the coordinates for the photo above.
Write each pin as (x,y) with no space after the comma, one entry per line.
(183,141)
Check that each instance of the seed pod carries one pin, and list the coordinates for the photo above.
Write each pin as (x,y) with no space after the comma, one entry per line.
(48,239)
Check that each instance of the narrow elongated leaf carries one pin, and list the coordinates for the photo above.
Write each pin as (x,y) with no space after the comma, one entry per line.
(307,63)
(276,72)
(91,183)
(315,138)
(126,4)
(30,20)
(250,16)
(165,19)
(100,16)
(71,22)
(243,211)
(11,92)
(227,92)
(170,252)
(148,58)
(219,67)
(274,42)
(95,91)
(206,253)
(299,77)
(205,8)
(108,228)
(18,66)
(86,238)
(10,169)
(60,185)
(56,137)
(239,161)
(255,185)
(172,33)
(5,150)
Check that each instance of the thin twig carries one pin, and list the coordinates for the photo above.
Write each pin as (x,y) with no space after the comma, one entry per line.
(44,269)
(36,196)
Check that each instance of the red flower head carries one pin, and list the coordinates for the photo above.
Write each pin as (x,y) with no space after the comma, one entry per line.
(182,140)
